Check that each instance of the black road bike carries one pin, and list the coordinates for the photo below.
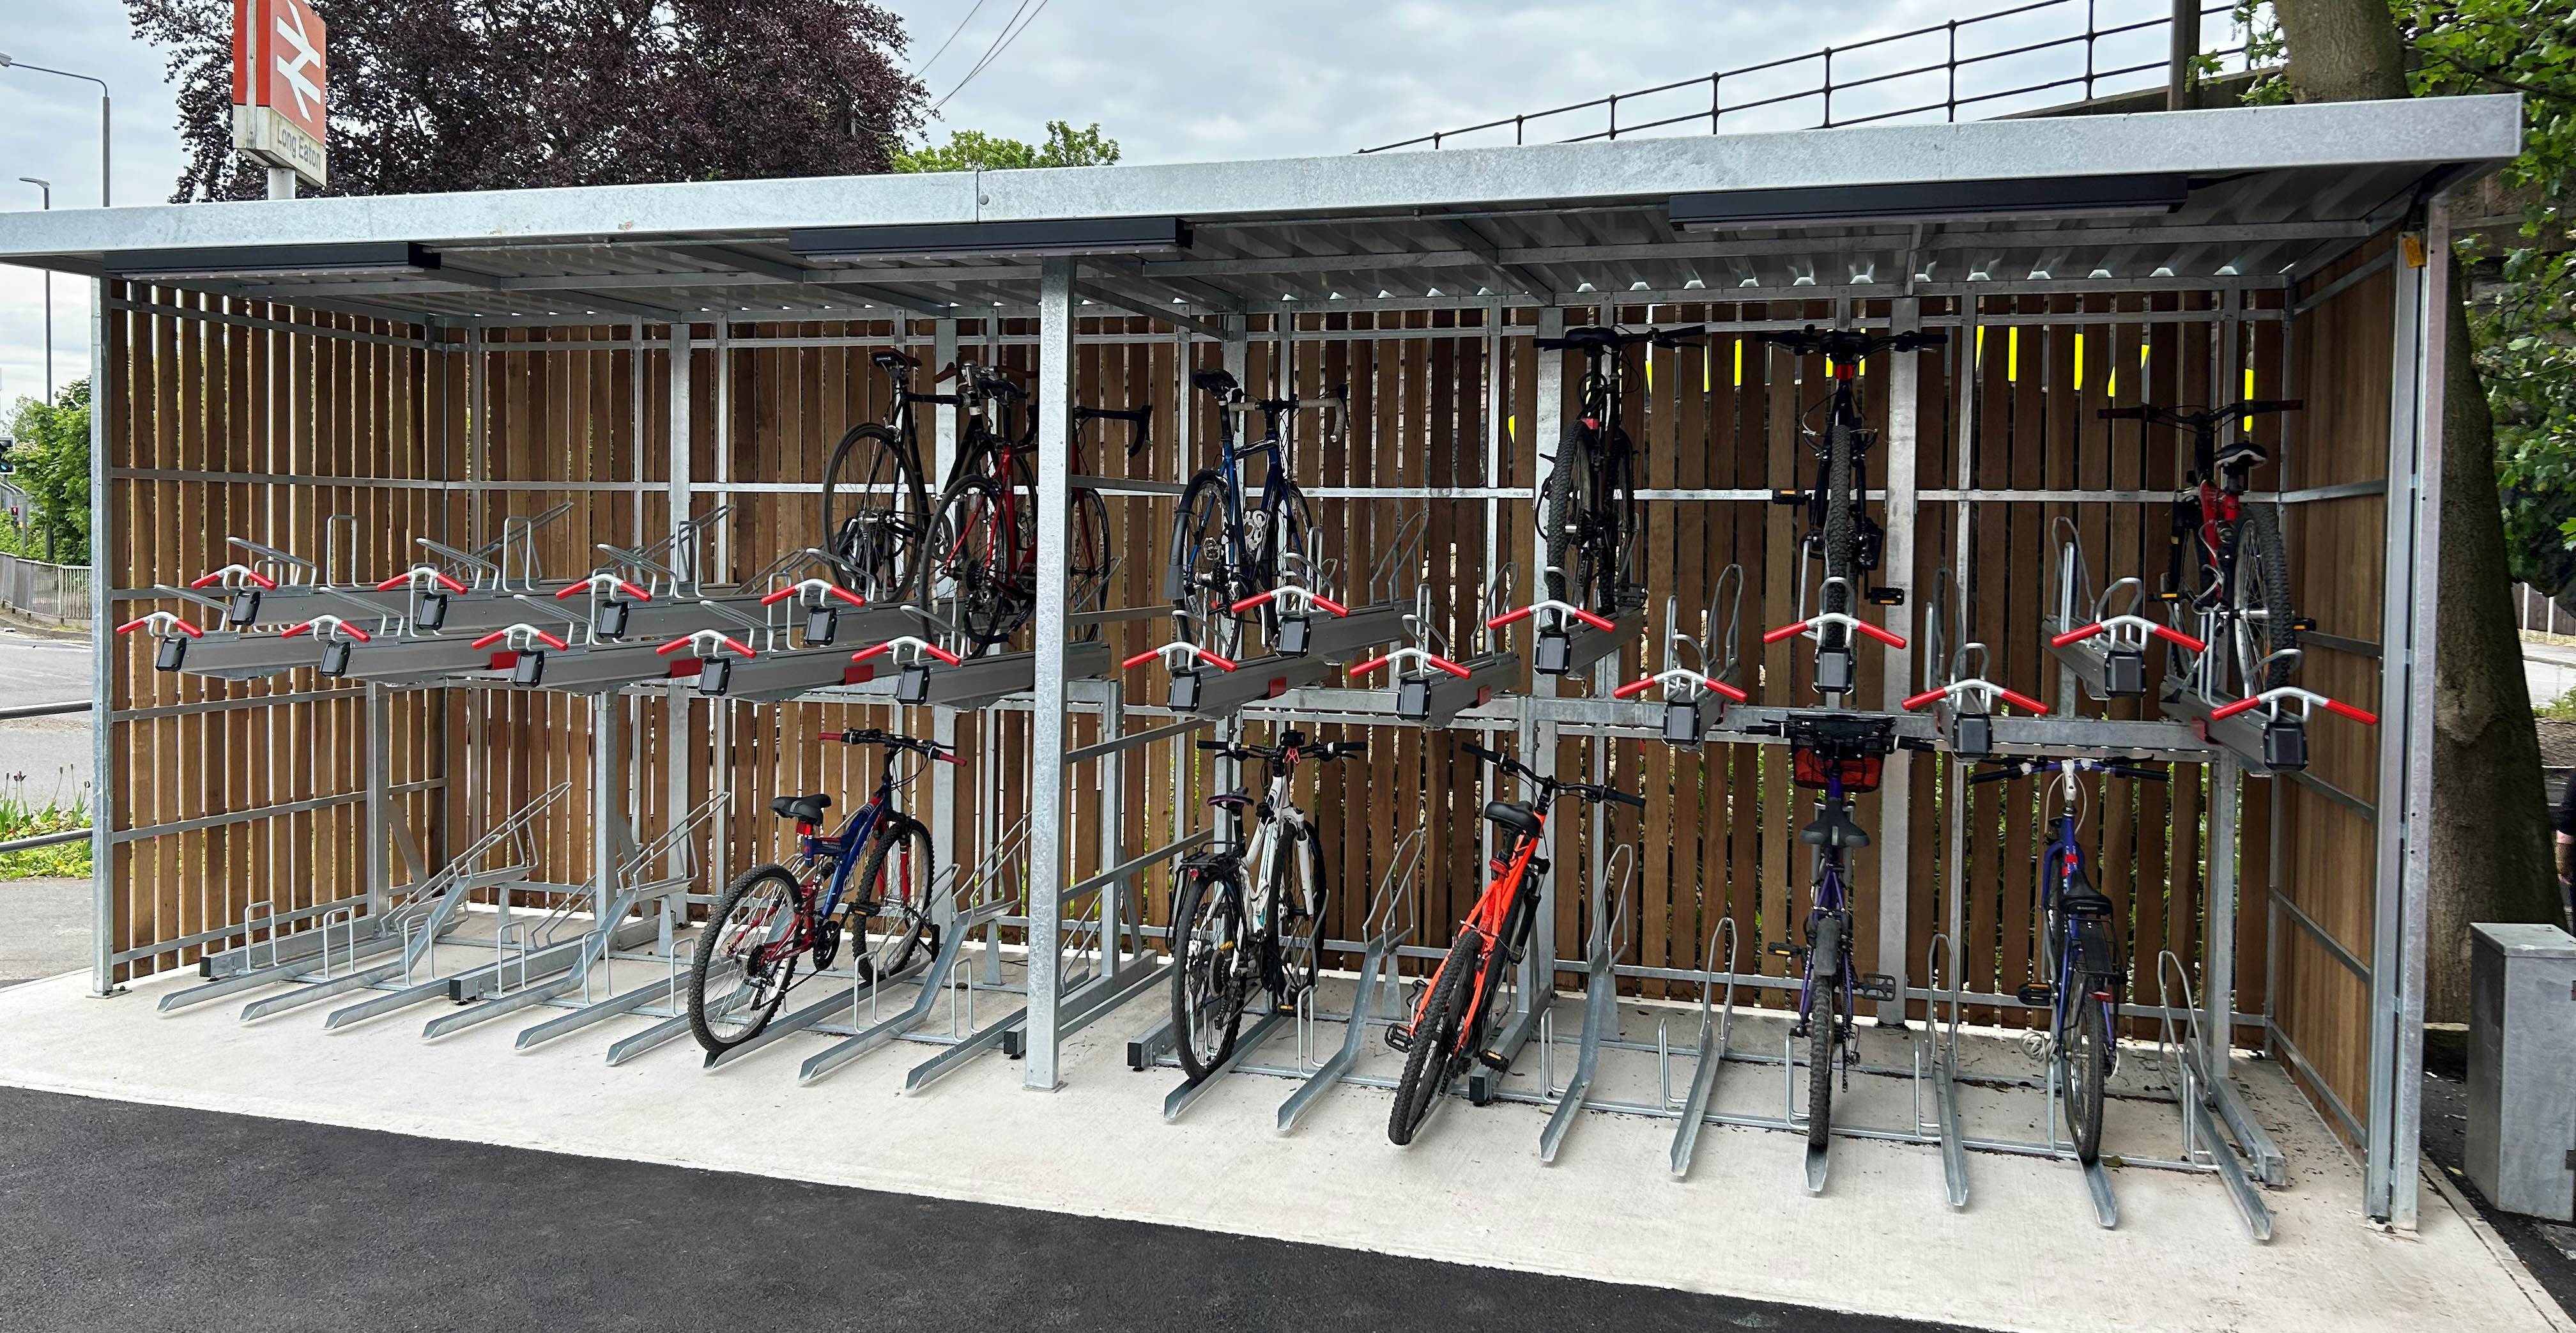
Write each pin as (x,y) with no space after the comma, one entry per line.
(1227,548)
(1590,500)
(2227,576)
(1840,532)
(1249,914)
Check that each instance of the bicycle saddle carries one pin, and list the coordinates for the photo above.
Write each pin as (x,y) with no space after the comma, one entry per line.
(890,359)
(1518,818)
(1233,800)
(1834,828)
(802,809)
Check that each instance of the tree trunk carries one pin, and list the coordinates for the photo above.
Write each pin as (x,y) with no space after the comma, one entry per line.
(2489,837)
(2489,840)
(2342,50)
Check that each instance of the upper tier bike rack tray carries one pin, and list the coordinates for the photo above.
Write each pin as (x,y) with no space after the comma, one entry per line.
(1435,698)
(1347,637)
(1207,691)
(2240,736)
(977,681)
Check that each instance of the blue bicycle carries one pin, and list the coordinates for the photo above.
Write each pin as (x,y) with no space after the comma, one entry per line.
(879,867)
(1840,755)
(1225,553)
(2080,948)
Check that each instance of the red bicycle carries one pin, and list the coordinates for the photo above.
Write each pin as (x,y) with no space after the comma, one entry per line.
(1455,1018)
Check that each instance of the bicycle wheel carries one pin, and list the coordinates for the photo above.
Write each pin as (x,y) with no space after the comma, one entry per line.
(876,509)
(1435,1055)
(1207,1001)
(1201,579)
(2087,1054)
(1573,559)
(1087,555)
(896,882)
(1824,1025)
(1622,506)
(2258,588)
(974,561)
(1842,531)
(1285,549)
(746,957)
(1300,903)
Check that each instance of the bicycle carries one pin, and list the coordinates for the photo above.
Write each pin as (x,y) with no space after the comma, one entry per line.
(1838,755)
(2239,569)
(976,548)
(880,865)
(1224,553)
(1455,1017)
(1231,941)
(1590,497)
(2079,948)
(1840,531)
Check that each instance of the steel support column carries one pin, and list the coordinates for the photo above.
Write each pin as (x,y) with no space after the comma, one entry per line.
(1046,722)
(380,759)
(942,815)
(1538,743)
(679,739)
(2218,934)
(105,541)
(1895,806)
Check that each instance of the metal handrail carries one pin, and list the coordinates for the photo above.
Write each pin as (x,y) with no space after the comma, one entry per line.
(1950,104)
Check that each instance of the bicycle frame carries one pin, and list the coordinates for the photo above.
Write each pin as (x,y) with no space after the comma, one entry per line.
(1831,898)
(1273,450)
(2067,854)
(841,850)
(1491,918)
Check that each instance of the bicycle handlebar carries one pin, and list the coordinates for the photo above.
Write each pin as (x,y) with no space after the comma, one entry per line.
(2175,416)
(1850,344)
(1550,787)
(1319,750)
(1141,417)
(876,736)
(2023,768)
(1596,337)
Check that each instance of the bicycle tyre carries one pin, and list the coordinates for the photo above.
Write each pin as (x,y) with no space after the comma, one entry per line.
(1199,580)
(1203,986)
(2088,1067)
(1292,522)
(713,1027)
(904,906)
(1435,1032)
(1824,1024)
(1087,557)
(873,548)
(1570,557)
(973,562)
(2258,584)
(1842,533)
(1301,976)
(1622,544)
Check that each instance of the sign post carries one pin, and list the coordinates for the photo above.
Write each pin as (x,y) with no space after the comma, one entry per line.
(281,92)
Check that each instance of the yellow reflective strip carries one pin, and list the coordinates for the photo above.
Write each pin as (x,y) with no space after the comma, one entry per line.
(2079,360)
(2012,355)
(1739,363)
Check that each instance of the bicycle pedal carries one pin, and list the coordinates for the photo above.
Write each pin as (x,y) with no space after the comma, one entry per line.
(1876,986)
(1785,949)
(1399,1038)
(2037,994)
(1499,1063)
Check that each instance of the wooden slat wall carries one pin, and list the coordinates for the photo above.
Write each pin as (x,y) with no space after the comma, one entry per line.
(2340,353)
(1717,837)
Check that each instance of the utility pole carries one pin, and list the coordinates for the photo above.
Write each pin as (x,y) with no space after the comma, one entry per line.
(105,155)
(2186,48)
(47,187)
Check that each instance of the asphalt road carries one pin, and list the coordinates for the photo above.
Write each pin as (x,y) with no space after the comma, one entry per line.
(124,1216)
(43,670)
(44,932)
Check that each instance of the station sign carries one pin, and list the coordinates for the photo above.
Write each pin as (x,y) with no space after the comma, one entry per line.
(281,87)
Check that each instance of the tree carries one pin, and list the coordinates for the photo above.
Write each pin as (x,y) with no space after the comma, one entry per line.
(2489,833)
(51,464)
(511,94)
(973,150)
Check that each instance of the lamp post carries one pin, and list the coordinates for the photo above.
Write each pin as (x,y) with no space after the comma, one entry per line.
(48,194)
(103,137)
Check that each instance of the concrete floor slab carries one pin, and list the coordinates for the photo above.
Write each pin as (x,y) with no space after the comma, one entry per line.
(2024,1254)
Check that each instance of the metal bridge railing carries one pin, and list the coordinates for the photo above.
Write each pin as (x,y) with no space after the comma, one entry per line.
(2025,50)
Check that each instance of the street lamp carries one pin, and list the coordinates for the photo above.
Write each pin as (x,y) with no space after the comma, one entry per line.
(48,188)
(103,158)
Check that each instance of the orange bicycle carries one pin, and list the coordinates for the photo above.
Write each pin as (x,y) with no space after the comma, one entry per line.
(1455,1019)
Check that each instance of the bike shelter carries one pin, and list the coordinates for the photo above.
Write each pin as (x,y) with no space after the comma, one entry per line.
(532,476)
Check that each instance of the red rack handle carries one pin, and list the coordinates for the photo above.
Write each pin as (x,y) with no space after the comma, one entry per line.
(1140,659)
(1730,691)
(2179,637)
(1445,664)
(666,649)
(1525,612)
(549,640)
(834,589)
(1363,668)
(1924,698)
(2021,701)
(1785,632)
(175,623)
(934,650)
(2363,716)
(346,628)
(1221,663)
(1258,598)
(2075,635)
(399,580)
(2231,710)
(1891,639)
(218,577)
(622,585)
(1633,688)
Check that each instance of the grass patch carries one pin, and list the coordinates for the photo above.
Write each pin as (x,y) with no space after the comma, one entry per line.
(22,817)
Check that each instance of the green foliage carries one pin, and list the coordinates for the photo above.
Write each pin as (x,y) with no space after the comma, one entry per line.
(51,462)
(21,817)
(2560,709)
(974,150)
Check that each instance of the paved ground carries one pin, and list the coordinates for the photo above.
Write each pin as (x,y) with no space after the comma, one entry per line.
(41,669)
(2551,669)
(2548,1249)
(44,928)
(257,1219)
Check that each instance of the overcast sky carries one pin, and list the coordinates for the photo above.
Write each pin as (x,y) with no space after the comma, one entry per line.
(1172,82)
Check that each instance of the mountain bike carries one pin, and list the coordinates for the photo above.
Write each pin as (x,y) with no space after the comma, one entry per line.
(1838,755)
(1840,532)
(1456,1019)
(2079,949)
(880,866)
(1243,918)
(876,505)
(2236,577)
(1590,499)
(1225,550)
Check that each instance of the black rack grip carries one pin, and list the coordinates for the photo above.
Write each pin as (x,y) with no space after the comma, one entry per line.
(1341,748)
(2022,770)
(2254,405)
(2121,413)
(1489,756)
(2141,774)
(1621,797)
